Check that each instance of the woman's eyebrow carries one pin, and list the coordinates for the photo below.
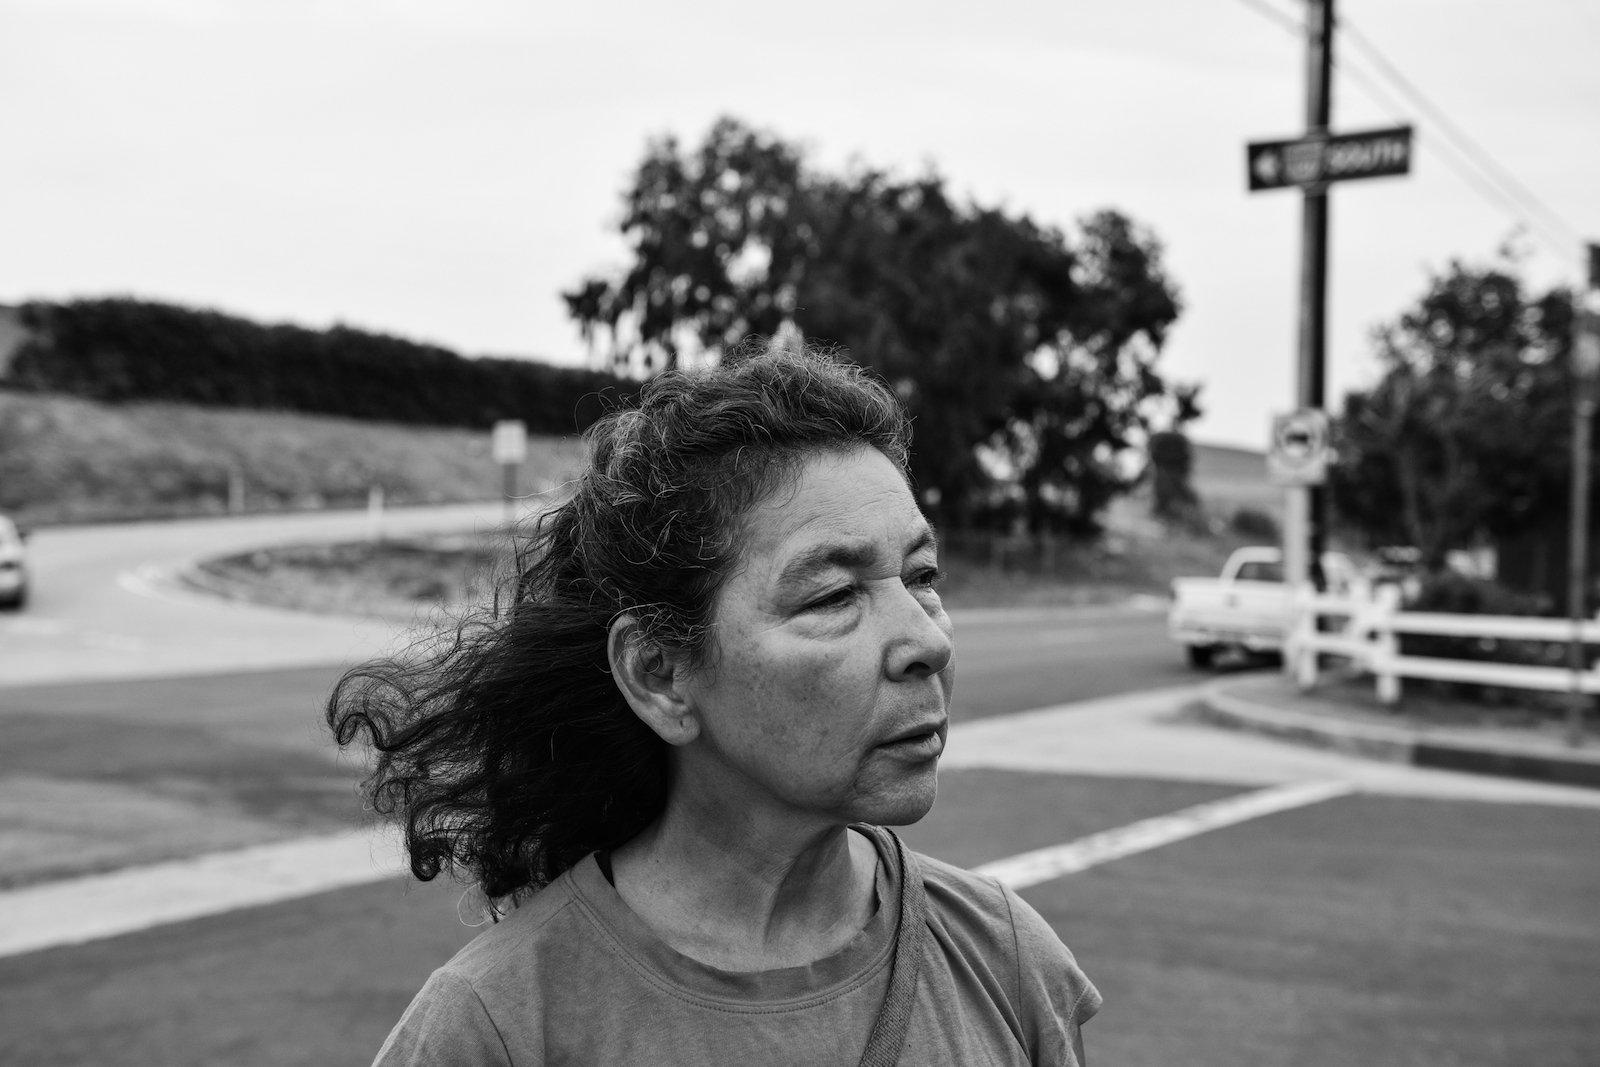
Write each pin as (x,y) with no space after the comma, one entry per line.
(926,539)
(823,556)
(846,556)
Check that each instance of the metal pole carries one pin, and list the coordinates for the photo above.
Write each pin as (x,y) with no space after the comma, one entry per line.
(1314,268)
(1585,370)
(1578,563)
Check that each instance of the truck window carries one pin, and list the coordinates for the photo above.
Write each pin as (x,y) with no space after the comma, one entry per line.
(1260,571)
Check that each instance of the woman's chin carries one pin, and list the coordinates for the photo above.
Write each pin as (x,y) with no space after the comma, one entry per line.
(902,802)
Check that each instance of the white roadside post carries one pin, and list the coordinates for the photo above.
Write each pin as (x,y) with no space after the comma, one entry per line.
(235,490)
(509,444)
(374,512)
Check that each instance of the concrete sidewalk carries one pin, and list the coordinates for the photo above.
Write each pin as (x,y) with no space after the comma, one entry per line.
(1271,705)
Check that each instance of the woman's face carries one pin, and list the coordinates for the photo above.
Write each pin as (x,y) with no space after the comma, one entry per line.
(827,690)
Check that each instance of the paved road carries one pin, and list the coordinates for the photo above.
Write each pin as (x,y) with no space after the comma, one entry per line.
(1429,924)
(103,605)
(1366,929)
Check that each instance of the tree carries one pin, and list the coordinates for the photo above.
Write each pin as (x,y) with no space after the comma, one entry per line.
(1027,361)
(1466,435)
(1171,465)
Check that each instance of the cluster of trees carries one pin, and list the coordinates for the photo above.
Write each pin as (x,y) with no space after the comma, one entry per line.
(1027,359)
(117,350)
(1466,436)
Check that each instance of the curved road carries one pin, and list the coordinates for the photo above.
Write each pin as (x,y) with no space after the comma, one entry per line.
(103,605)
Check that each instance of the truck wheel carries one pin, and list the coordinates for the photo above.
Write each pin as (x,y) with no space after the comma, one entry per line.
(1200,656)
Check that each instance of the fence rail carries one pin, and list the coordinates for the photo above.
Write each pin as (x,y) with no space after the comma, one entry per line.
(1370,638)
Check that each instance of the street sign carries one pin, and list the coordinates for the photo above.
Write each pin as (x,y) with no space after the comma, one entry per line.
(1323,158)
(1299,452)
(510,441)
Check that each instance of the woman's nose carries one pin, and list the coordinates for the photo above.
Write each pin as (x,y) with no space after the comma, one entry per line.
(921,644)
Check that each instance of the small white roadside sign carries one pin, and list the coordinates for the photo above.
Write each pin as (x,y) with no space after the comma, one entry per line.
(510,441)
(1299,452)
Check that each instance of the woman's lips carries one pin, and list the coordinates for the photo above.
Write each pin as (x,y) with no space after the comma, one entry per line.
(922,745)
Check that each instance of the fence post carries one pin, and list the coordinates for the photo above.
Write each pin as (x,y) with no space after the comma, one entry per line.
(1387,644)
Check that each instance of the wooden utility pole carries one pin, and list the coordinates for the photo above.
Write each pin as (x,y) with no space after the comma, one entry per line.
(1312,364)
(1297,458)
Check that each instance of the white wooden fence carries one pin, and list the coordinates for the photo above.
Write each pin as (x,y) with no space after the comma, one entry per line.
(1370,639)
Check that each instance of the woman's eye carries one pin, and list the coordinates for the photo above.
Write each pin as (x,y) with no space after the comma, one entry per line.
(836,598)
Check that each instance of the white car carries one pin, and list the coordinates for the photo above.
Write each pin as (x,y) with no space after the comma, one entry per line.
(1246,608)
(13,565)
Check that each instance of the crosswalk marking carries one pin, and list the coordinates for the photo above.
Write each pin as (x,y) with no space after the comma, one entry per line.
(136,898)
(1044,864)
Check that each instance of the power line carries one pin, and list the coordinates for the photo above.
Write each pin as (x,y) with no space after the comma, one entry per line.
(1446,152)
(1283,19)
(1458,151)
(1466,145)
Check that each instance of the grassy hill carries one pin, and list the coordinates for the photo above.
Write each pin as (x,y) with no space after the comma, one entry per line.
(1228,479)
(65,459)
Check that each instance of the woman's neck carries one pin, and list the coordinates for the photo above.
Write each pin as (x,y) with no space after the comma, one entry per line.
(744,890)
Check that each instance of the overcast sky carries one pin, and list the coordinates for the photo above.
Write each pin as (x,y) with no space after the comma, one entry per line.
(441,170)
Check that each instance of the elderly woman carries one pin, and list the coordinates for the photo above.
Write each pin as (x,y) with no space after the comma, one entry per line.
(668,760)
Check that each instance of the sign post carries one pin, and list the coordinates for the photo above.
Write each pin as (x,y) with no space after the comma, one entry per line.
(509,444)
(1297,460)
(1310,163)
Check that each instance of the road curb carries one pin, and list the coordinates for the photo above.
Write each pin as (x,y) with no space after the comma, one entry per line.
(1220,706)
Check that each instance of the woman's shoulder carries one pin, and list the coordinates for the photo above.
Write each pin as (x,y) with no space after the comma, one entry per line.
(980,916)
(977,906)
(514,939)
(481,1006)
(976,890)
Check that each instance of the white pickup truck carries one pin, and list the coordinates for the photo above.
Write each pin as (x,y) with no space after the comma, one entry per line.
(1246,608)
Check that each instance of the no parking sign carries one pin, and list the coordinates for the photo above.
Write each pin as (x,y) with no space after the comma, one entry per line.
(1299,453)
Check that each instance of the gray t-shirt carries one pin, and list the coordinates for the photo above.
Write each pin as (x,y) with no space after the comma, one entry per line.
(573,976)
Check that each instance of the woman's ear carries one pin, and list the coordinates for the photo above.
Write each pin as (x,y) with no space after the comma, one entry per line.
(652,680)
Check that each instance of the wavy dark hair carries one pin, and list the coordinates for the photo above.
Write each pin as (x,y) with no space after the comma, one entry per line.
(507,751)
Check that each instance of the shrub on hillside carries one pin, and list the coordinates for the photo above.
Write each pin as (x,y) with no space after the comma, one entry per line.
(1255,524)
(120,349)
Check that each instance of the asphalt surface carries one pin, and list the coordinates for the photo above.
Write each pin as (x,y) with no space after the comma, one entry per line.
(103,602)
(1367,929)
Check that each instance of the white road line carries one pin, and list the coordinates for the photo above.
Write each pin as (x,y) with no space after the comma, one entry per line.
(136,898)
(1042,865)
